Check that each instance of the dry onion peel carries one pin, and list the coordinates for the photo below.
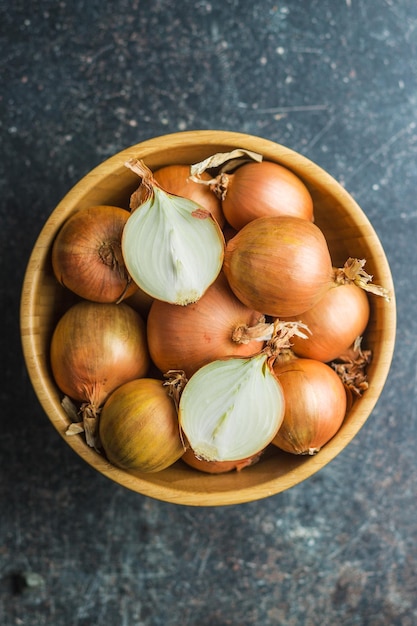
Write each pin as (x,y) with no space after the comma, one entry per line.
(223,160)
(353,272)
(351,367)
(172,248)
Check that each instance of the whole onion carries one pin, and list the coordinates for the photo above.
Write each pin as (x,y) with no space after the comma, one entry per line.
(139,427)
(217,325)
(176,179)
(278,265)
(87,256)
(315,404)
(95,348)
(262,189)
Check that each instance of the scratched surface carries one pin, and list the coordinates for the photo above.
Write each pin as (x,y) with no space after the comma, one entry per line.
(336,81)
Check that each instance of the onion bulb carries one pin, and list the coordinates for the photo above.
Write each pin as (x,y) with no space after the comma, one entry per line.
(279,265)
(315,404)
(95,348)
(231,409)
(340,316)
(218,325)
(262,189)
(172,247)
(175,179)
(87,256)
(139,427)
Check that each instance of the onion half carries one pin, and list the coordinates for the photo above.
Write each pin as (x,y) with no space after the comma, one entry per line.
(231,409)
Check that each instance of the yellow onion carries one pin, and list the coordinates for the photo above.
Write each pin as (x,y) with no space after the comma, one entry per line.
(175,179)
(315,404)
(218,325)
(340,316)
(262,189)
(279,265)
(87,256)
(95,348)
(139,427)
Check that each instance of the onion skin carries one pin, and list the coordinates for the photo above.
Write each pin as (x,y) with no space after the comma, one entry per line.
(186,338)
(340,316)
(217,467)
(95,348)
(279,265)
(315,405)
(175,179)
(87,257)
(264,189)
(139,427)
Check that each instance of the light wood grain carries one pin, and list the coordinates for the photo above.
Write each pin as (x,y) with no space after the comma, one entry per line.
(348,232)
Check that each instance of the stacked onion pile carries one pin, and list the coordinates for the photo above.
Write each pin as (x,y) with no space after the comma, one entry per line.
(210,322)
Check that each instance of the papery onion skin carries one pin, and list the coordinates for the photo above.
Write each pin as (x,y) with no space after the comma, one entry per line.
(186,338)
(315,405)
(87,257)
(217,467)
(278,265)
(261,189)
(340,316)
(176,179)
(95,348)
(139,428)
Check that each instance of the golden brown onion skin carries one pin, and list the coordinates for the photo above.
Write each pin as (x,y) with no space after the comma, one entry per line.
(338,318)
(217,467)
(175,179)
(95,348)
(265,188)
(315,405)
(139,427)
(279,265)
(87,257)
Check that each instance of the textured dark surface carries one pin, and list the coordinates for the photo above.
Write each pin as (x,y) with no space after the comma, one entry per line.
(336,81)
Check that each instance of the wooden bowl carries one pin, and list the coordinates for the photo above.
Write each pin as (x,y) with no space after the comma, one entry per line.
(348,232)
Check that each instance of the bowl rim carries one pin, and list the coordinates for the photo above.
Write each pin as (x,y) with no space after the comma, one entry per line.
(156,486)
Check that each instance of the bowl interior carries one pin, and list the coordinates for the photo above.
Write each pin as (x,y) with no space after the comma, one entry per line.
(348,233)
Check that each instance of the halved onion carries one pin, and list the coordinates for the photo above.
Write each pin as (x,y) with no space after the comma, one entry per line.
(231,409)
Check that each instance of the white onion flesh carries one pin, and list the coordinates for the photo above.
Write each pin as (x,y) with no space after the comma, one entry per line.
(173,248)
(231,409)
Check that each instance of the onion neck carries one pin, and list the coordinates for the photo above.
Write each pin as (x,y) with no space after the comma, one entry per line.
(261,331)
(353,273)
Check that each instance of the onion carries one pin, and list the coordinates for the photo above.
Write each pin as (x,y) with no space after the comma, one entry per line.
(315,404)
(279,265)
(336,320)
(176,180)
(217,467)
(218,325)
(139,427)
(95,348)
(87,256)
(262,189)
(231,409)
(172,247)
(340,316)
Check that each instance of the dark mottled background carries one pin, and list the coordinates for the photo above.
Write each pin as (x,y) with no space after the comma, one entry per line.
(336,81)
